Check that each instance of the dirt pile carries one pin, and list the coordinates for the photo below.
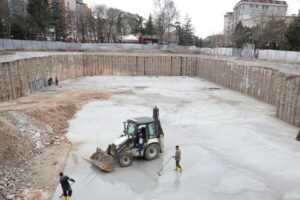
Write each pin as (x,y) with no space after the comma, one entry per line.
(56,117)
(33,146)
(16,150)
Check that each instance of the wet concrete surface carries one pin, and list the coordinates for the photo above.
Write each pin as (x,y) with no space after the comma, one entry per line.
(232,145)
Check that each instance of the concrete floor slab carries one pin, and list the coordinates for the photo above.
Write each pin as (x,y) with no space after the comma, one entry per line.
(232,145)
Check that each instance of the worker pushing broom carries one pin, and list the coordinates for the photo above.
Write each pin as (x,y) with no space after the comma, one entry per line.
(177,159)
(65,185)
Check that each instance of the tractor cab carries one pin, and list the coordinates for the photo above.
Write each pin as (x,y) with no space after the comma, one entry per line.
(141,125)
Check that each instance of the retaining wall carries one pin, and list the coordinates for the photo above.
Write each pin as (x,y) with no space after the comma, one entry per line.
(282,90)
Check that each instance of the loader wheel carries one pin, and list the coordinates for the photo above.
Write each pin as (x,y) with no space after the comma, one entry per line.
(125,160)
(152,151)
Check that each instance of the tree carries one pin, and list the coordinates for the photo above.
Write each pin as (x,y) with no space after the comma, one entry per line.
(39,16)
(81,23)
(186,33)
(100,20)
(119,25)
(138,27)
(19,27)
(241,35)
(91,28)
(18,20)
(293,34)
(270,35)
(165,14)
(199,42)
(110,28)
(149,28)
(59,19)
(5,19)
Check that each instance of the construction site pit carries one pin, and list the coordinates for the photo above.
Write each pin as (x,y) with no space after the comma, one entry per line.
(232,145)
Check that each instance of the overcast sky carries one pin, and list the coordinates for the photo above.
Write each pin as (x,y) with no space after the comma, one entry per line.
(207,16)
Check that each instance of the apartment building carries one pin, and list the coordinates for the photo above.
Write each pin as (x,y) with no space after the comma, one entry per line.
(76,10)
(228,28)
(250,12)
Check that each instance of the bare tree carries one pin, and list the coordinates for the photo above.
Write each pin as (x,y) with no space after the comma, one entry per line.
(165,14)
(91,28)
(71,23)
(99,13)
(111,28)
(5,19)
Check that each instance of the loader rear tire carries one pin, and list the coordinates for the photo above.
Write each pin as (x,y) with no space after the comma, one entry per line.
(125,160)
(152,151)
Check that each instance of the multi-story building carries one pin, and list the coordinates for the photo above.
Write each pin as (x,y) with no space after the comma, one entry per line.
(216,40)
(76,11)
(228,23)
(228,28)
(250,12)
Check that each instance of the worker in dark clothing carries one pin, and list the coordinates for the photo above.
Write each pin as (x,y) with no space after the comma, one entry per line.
(56,81)
(177,159)
(65,185)
(50,80)
(298,136)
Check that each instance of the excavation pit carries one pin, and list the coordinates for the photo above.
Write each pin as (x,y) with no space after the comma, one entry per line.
(233,147)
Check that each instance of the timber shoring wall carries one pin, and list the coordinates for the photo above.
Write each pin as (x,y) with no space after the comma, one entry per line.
(266,84)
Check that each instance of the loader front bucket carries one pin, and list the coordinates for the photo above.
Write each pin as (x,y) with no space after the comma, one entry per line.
(102,160)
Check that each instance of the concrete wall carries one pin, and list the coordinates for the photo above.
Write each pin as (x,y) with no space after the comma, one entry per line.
(266,84)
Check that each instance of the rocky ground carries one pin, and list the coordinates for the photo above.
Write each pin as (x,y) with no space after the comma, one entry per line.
(33,146)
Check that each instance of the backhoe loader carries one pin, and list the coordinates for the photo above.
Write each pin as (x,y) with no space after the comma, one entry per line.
(125,148)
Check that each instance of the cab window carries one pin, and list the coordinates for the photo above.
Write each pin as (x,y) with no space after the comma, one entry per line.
(151,128)
(131,129)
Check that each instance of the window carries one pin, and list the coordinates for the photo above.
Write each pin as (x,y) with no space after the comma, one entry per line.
(151,128)
(131,129)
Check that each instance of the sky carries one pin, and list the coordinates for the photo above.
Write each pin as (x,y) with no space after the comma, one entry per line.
(207,16)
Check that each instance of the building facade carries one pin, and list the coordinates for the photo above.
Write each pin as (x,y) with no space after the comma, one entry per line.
(76,12)
(251,12)
(228,28)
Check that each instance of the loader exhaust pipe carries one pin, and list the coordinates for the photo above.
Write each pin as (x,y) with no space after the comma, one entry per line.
(158,128)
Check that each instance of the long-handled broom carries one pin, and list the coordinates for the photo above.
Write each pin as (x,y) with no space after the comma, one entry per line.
(163,166)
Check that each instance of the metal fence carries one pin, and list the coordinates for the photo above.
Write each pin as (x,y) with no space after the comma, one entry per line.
(37,84)
(287,56)
(8,44)
(249,53)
